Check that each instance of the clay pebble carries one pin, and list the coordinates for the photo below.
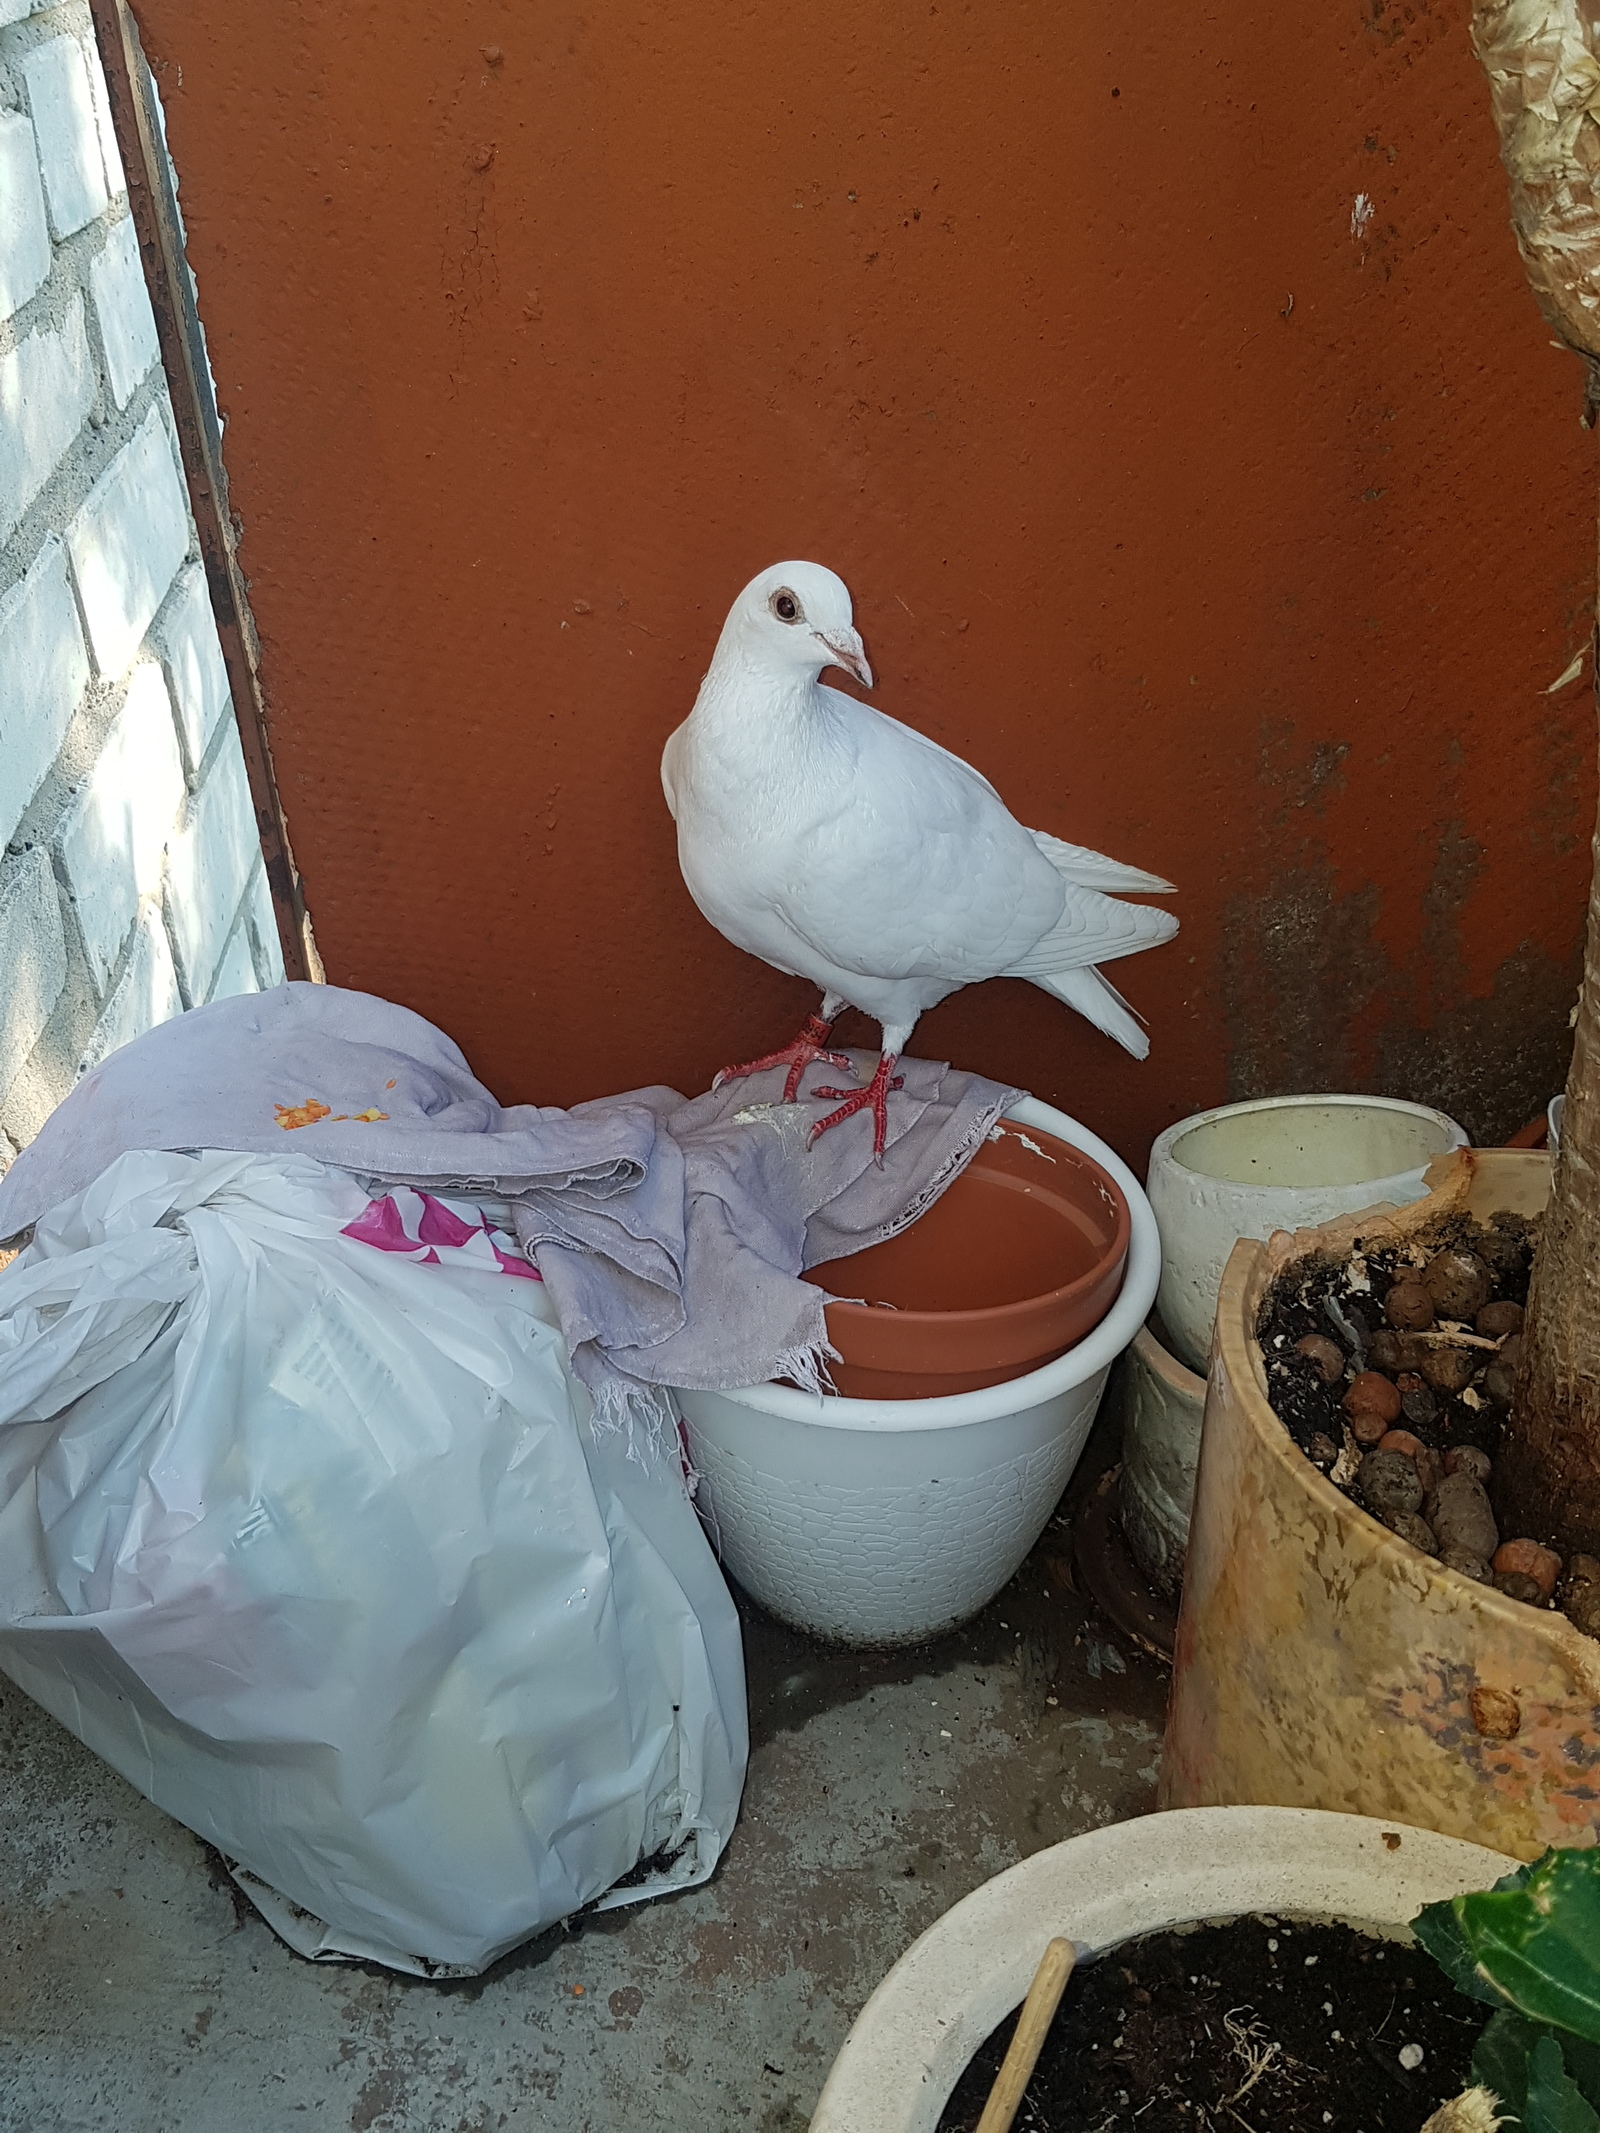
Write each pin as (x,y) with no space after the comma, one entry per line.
(1457,1283)
(1500,1379)
(1468,1459)
(1496,1713)
(1420,1406)
(1390,1485)
(1395,1352)
(1578,1593)
(1527,1559)
(1371,1408)
(1469,1565)
(1451,1370)
(1325,1355)
(1408,1307)
(1517,1587)
(1461,1515)
(1496,1320)
(1413,1529)
(1429,1466)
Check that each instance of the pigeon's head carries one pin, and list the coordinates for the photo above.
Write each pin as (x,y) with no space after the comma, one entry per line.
(796,617)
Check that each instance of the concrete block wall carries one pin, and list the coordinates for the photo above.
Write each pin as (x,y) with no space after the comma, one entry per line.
(131,881)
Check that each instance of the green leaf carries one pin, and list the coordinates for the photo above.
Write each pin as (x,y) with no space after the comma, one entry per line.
(1554,2103)
(1583,2064)
(1539,1942)
(1439,1929)
(1500,2059)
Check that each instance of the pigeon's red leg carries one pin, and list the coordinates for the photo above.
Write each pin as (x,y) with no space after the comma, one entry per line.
(796,1057)
(874,1098)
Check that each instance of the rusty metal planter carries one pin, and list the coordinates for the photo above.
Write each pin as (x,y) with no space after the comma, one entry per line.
(1324,1662)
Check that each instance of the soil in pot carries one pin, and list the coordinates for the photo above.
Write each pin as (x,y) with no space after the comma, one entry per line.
(1258,2024)
(1392,1371)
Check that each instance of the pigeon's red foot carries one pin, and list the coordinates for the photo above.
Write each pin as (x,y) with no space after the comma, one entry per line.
(874,1098)
(796,1057)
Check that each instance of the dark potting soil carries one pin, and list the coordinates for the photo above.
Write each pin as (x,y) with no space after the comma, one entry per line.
(1298,1304)
(1255,2025)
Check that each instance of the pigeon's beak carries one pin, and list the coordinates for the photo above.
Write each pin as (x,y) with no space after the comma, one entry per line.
(846,650)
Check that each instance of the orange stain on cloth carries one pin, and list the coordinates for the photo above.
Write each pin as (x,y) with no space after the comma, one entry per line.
(306,1114)
(289,1116)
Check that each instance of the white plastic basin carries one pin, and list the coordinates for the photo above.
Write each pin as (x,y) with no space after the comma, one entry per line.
(881,1522)
(953,1986)
(1283,1162)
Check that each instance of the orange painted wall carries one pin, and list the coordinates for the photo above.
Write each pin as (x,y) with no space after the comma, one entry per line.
(1227,525)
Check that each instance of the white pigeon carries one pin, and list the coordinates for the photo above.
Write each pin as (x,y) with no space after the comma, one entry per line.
(840,846)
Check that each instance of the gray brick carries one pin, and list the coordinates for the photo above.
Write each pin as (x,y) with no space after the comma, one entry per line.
(46,390)
(199,681)
(209,868)
(127,542)
(105,130)
(25,254)
(145,994)
(44,671)
(116,834)
(14,11)
(122,305)
(61,98)
(33,959)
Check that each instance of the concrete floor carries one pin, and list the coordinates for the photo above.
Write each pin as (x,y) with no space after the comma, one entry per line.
(137,1995)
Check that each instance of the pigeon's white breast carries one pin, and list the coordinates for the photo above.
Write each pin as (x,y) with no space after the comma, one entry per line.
(849,846)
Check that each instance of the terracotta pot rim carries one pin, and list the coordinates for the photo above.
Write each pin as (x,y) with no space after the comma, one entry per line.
(1252,1267)
(1000,1316)
(959,1410)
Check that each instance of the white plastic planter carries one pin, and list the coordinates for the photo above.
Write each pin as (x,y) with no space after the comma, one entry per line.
(954,1985)
(1284,1162)
(883,1522)
(1162,1405)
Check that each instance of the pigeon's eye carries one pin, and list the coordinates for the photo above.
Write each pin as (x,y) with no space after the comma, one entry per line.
(784,605)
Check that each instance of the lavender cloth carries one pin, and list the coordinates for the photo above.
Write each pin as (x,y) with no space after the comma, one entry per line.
(670,1233)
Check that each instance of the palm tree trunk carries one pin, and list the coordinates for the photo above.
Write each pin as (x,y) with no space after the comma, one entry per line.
(1549,1472)
(1545,84)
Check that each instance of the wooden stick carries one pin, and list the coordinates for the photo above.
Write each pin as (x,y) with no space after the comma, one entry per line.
(1033,2025)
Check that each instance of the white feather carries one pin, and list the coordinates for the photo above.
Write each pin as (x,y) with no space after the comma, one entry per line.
(844,847)
(1093,870)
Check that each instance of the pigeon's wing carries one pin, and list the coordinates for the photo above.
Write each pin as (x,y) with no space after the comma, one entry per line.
(914,868)
(669,770)
(1074,862)
(1092,929)
(1093,870)
(923,740)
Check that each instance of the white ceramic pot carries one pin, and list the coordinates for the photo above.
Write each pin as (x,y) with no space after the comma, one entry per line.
(1284,1162)
(1161,1404)
(954,1985)
(881,1522)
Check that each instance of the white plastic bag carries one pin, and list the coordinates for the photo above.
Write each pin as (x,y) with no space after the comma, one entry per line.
(316,1546)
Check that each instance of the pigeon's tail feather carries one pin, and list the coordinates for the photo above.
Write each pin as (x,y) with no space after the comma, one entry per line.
(1099,1001)
(1093,870)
